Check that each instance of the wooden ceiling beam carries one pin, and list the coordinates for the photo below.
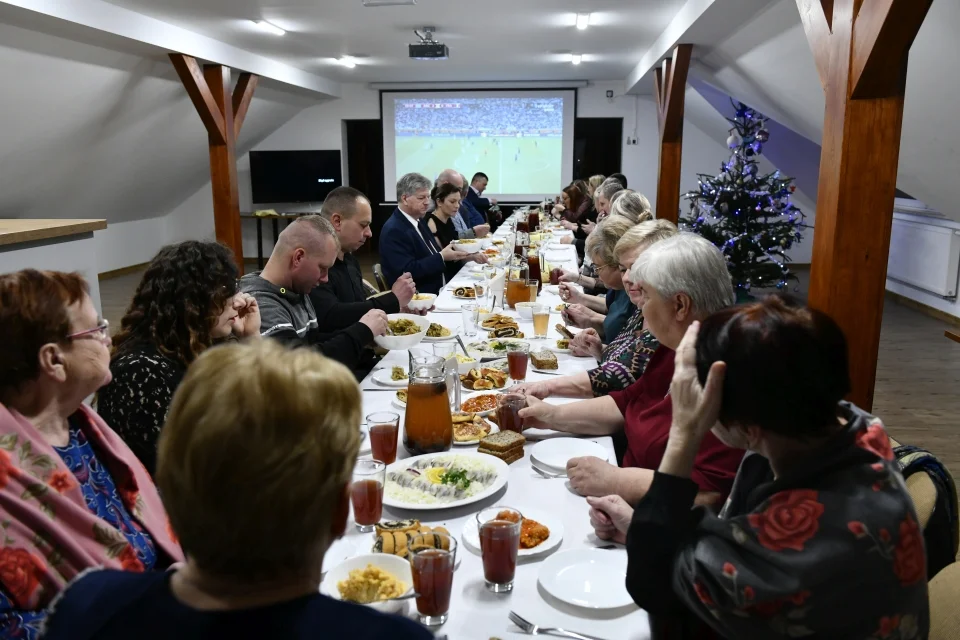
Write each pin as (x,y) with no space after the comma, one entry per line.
(671,88)
(882,38)
(242,95)
(191,75)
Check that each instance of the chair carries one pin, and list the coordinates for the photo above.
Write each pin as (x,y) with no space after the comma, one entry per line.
(934,496)
(944,612)
(378,275)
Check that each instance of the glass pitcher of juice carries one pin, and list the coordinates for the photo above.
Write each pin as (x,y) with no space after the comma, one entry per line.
(533,220)
(428,426)
(533,268)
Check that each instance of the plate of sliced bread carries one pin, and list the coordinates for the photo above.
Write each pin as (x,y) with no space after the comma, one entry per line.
(503,445)
(544,360)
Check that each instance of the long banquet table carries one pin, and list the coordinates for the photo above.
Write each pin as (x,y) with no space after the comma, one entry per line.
(476,613)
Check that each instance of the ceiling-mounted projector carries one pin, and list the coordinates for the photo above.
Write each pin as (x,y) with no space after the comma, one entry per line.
(428,48)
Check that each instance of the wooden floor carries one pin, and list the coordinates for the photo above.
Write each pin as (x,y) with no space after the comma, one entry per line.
(918,373)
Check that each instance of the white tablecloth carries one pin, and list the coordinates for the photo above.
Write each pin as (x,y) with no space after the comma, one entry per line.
(475,613)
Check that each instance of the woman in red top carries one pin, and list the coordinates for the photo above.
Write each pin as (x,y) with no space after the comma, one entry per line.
(682,279)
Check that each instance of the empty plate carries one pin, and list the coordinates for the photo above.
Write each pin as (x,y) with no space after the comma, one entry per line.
(556,452)
(591,578)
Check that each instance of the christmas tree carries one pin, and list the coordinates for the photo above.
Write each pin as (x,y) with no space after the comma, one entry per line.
(747,215)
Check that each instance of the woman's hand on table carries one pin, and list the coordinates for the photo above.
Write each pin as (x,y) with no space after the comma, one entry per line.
(566,240)
(538,414)
(569,226)
(591,476)
(610,517)
(587,343)
(569,276)
(539,390)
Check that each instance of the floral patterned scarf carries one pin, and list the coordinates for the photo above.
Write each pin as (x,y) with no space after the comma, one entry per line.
(47,532)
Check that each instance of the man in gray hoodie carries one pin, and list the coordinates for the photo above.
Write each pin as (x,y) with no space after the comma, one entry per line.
(304,253)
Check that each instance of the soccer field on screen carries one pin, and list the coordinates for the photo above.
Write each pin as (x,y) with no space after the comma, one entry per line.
(514,165)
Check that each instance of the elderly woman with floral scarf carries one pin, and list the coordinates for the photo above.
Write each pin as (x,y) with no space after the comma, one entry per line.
(72,494)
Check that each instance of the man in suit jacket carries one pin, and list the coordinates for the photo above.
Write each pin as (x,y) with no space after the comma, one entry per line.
(475,196)
(406,244)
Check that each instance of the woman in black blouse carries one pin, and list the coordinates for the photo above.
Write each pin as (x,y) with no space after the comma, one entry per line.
(187,300)
(819,538)
(440,221)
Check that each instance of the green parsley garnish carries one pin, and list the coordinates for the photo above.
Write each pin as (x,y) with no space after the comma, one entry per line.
(456,477)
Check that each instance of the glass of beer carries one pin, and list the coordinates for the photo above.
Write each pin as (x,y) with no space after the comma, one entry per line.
(384,431)
(534,287)
(541,320)
(517,357)
(366,493)
(508,411)
(432,570)
(499,545)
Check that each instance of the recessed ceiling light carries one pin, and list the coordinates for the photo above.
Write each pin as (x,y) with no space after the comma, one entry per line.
(583,20)
(347,61)
(269,28)
(576,58)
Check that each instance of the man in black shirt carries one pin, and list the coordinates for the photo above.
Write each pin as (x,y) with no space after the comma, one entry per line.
(342,300)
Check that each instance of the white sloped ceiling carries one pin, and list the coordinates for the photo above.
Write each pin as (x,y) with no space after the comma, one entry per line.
(768,64)
(94,132)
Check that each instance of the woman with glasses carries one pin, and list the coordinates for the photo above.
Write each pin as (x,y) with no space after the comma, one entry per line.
(186,302)
(72,494)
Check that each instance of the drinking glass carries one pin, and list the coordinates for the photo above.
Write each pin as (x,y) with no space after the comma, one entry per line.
(534,287)
(384,430)
(541,320)
(508,411)
(366,493)
(469,312)
(433,579)
(445,350)
(499,545)
(517,357)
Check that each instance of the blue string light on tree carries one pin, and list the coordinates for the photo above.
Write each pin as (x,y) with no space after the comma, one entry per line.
(748,215)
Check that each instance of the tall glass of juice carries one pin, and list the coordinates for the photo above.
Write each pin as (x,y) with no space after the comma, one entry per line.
(499,545)
(384,430)
(518,354)
(432,570)
(541,320)
(366,493)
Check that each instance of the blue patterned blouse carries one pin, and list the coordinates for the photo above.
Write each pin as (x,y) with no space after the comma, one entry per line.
(100,494)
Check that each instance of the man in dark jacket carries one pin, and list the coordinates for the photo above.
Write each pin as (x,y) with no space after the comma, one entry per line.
(341,301)
(304,253)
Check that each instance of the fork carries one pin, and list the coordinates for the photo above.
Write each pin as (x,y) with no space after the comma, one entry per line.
(532,630)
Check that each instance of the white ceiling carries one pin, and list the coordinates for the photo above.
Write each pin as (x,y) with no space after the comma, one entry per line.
(489,40)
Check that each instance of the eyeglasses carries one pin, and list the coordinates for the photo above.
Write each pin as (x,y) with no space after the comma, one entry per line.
(100,332)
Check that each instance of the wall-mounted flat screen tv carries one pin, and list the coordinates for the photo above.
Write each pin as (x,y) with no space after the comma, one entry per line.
(294,176)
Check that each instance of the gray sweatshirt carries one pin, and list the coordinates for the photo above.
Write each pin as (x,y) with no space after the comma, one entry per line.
(290,318)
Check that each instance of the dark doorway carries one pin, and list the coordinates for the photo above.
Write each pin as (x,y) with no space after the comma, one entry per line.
(597,146)
(365,167)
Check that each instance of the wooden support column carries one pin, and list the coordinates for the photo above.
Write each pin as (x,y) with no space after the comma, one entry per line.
(861,54)
(671,90)
(222,113)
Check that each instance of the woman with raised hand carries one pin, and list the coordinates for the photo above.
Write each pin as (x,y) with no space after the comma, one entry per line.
(72,494)
(819,537)
(186,302)
(255,466)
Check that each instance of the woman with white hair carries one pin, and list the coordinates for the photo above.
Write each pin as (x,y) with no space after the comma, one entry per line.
(683,279)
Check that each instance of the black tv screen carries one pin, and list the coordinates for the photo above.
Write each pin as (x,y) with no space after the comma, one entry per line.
(294,176)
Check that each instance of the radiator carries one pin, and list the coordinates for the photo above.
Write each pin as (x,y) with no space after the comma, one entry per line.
(926,256)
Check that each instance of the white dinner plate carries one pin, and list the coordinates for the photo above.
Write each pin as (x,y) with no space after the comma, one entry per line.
(553,347)
(473,394)
(499,466)
(471,535)
(341,549)
(382,377)
(553,454)
(591,578)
